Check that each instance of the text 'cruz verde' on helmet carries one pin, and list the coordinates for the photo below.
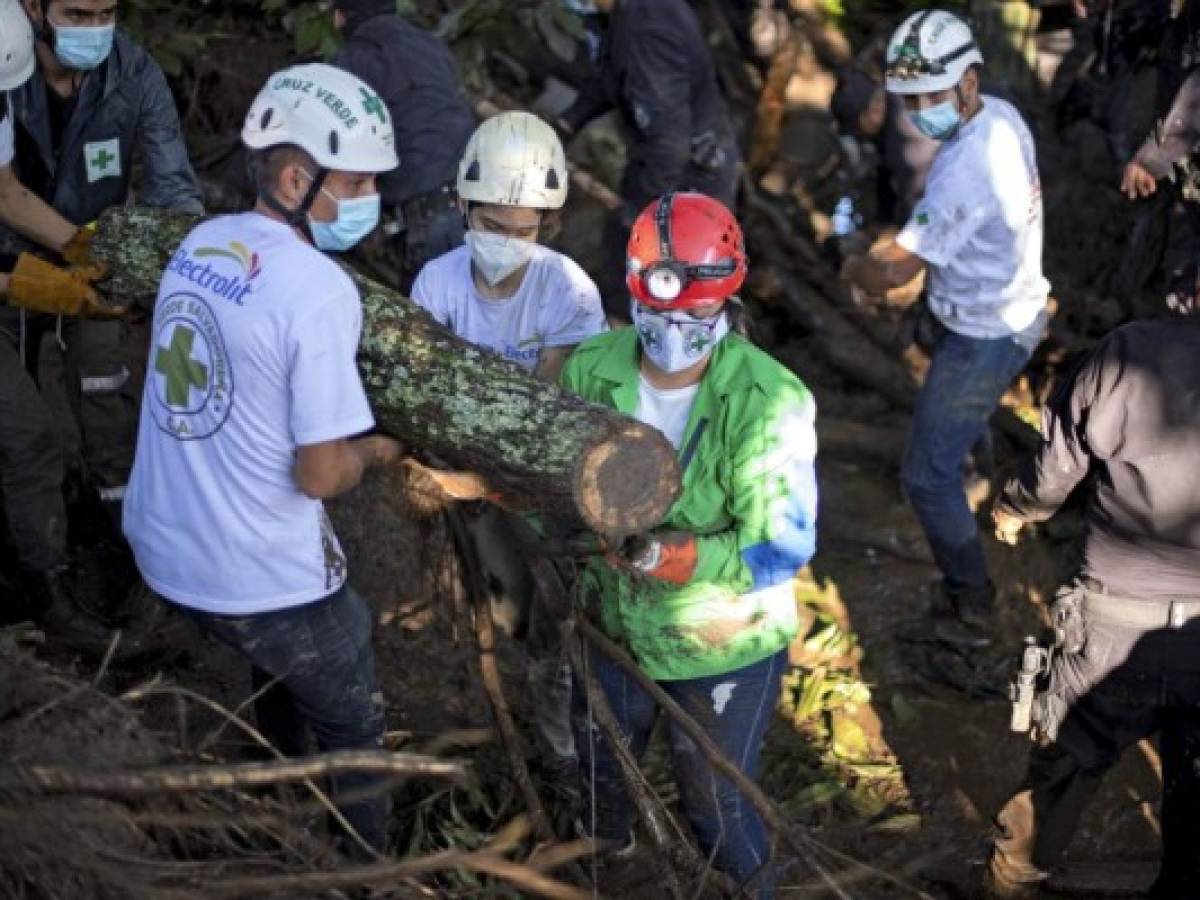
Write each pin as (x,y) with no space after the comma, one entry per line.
(929,52)
(332,115)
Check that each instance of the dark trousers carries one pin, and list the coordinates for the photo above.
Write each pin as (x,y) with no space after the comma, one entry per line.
(31,468)
(320,661)
(734,709)
(1125,685)
(31,461)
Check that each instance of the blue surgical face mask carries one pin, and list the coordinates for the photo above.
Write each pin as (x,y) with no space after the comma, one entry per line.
(356,218)
(83,48)
(938,122)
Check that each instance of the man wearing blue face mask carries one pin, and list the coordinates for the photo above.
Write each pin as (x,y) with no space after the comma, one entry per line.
(249,416)
(978,233)
(94,101)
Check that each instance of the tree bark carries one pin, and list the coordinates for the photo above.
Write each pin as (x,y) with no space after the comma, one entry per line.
(540,448)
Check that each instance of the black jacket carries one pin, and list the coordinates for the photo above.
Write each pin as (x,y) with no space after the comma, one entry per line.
(414,73)
(655,67)
(124,111)
(1129,418)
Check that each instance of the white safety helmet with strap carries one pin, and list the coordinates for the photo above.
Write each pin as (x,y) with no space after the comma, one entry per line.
(514,159)
(17,58)
(929,52)
(330,114)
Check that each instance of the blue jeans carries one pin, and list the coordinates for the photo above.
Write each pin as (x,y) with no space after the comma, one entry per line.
(964,385)
(319,656)
(734,710)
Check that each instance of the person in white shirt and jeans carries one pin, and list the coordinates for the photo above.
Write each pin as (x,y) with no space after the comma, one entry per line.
(251,415)
(978,233)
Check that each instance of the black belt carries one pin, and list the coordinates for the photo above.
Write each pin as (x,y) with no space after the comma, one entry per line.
(1138,612)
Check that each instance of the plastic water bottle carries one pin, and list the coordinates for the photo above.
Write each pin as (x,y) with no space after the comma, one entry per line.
(844,221)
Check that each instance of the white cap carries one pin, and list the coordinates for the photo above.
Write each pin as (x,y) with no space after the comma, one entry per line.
(929,52)
(514,159)
(17,58)
(327,112)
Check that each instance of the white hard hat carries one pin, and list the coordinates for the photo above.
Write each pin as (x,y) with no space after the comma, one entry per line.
(327,112)
(929,52)
(514,159)
(16,45)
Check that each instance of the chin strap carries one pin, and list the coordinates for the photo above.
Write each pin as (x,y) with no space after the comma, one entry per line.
(298,217)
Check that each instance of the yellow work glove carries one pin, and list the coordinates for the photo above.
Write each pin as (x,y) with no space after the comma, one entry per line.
(78,252)
(43,287)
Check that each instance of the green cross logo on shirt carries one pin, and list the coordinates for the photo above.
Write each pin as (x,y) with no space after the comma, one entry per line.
(373,106)
(102,159)
(182,373)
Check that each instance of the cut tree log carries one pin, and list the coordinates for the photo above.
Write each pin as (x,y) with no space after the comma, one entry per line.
(542,449)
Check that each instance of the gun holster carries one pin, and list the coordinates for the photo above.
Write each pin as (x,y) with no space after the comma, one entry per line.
(1034,710)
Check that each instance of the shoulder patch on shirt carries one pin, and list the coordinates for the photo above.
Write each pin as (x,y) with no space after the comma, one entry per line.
(103,159)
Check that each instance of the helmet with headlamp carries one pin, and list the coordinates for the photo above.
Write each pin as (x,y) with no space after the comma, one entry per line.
(929,53)
(685,250)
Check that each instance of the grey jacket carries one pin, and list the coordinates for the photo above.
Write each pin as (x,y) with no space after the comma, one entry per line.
(124,110)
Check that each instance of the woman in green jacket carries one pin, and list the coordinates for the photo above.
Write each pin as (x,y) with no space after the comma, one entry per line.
(706,602)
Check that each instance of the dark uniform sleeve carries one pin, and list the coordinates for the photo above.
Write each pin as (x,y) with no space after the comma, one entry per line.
(167,180)
(1046,478)
(657,90)
(1176,134)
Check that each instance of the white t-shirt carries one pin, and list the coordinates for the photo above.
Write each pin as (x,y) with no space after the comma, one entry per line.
(979,227)
(557,305)
(666,410)
(254,339)
(8,141)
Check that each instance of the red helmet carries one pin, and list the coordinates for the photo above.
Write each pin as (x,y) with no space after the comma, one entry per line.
(685,250)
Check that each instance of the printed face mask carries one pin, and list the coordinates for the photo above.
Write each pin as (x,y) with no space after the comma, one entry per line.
(83,48)
(938,122)
(496,256)
(356,218)
(673,343)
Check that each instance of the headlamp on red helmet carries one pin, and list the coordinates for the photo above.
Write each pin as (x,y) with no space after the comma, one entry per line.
(685,250)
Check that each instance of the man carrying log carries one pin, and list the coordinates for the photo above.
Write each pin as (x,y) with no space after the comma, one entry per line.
(96,101)
(978,231)
(655,67)
(30,455)
(412,72)
(251,405)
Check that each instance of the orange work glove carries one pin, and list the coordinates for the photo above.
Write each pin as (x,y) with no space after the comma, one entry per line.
(43,287)
(78,252)
(665,555)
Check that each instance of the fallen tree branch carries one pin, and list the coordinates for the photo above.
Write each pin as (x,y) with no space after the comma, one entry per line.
(521,876)
(649,808)
(771,814)
(167,779)
(485,635)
